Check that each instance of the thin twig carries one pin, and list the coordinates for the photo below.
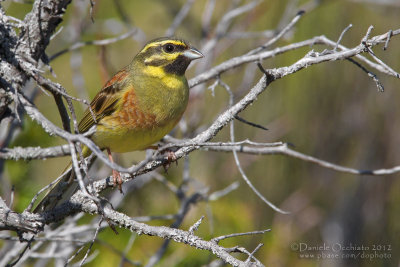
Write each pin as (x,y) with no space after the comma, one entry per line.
(91,10)
(341,37)
(73,256)
(345,53)
(163,232)
(366,36)
(95,42)
(380,62)
(388,40)
(219,238)
(128,246)
(279,35)
(196,226)
(373,76)
(251,123)
(30,206)
(253,252)
(235,156)
(285,150)
(28,245)
(62,110)
(179,17)
(221,193)
(91,243)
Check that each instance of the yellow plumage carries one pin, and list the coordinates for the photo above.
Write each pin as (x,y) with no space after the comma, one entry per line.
(136,107)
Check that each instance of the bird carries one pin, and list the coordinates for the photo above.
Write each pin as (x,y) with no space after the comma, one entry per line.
(138,106)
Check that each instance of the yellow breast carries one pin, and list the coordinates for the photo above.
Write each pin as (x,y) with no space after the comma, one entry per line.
(143,116)
(121,139)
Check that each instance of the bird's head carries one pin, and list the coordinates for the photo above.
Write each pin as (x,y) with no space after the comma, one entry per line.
(170,55)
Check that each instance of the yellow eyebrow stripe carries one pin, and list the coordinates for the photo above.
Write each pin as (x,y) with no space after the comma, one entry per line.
(160,43)
(167,57)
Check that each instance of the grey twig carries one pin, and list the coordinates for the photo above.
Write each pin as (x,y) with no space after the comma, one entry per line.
(179,17)
(91,243)
(341,37)
(273,74)
(235,156)
(279,35)
(63,111)
(165,181)
(74,255)
(196,226)
(254,252)
(91,10)
(49,127)
(388,40)
(374,41)
(30,206)
(176,235)
(95,42)
(367,35)
(219,238)
(30,44)
(218,194)
(129,245)
(10,220)
(372,75)
(21,254)
(54,88)
(251,123)
(285,150)
(77,171)
(345,53)
(184,209)
(207,15)
(381,63)
(223,24)
(156,217)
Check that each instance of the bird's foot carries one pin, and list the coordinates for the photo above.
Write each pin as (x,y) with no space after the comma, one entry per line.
(169,157)
(117,180)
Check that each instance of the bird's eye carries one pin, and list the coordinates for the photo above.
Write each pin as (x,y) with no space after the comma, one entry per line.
(169,48)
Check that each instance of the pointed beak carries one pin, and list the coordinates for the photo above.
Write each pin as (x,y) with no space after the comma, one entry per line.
(193,53)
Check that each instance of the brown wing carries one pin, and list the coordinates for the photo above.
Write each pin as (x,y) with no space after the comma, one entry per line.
(104,103)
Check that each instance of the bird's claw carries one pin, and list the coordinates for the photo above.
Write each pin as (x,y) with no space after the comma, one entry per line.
(169,157)
(117,180)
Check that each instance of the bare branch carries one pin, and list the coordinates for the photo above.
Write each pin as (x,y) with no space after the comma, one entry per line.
(196,226)
(388,40)
(285,150)
(251,123)
(341,36)
(91,243)
(373,76)
(179,17)
(95,42)
(22,52)
(28,153)
(346,53)
(10,220)
(253,252)
(279,35)
(218,194)
(219,238)
(176,235)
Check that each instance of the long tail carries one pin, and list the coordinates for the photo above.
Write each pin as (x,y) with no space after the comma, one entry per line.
(61,191)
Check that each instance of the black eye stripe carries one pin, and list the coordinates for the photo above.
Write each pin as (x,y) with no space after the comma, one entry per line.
(170,47)
(180,47)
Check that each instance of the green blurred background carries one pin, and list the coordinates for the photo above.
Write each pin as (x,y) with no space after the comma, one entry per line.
(331,111)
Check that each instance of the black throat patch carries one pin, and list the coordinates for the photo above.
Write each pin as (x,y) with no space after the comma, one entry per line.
(178,66)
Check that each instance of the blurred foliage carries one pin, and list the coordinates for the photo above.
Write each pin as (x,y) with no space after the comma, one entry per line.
(331,110)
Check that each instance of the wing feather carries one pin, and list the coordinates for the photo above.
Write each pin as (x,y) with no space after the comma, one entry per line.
(105,102)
